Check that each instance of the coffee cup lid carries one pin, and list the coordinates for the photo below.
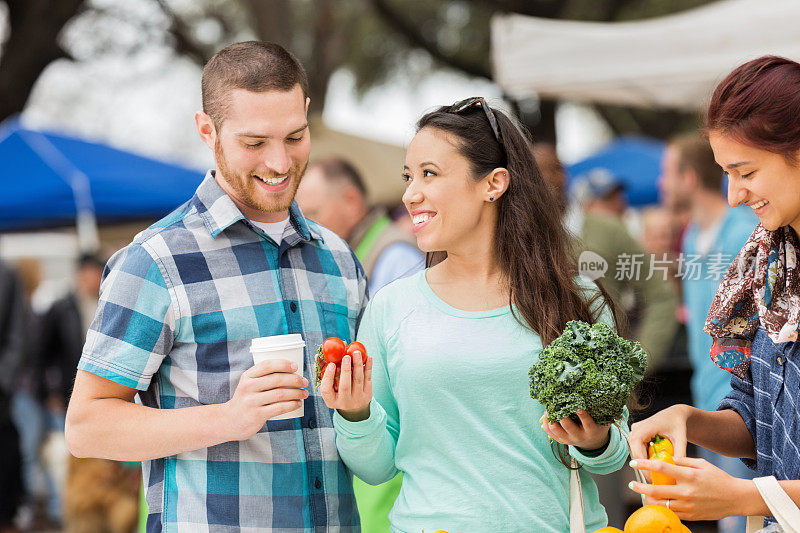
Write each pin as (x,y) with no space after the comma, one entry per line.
(277,342)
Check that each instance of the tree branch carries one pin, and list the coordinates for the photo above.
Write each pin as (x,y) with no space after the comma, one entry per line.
(416,38)
(34,27)
(181,33)
(549,9)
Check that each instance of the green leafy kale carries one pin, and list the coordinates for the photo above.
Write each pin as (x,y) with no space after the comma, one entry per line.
(587,367)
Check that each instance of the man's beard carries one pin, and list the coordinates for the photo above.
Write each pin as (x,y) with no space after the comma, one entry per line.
(246,189)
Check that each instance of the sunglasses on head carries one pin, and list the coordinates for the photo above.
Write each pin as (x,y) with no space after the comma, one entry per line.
(463,105)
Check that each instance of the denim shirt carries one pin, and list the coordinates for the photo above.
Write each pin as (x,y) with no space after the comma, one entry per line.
(767,401)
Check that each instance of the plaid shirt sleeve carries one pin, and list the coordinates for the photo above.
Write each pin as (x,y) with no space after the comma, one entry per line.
(741,399)
(134,326)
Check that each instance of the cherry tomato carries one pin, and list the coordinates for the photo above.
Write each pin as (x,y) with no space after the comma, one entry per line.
(333,349)
(354,347)
(336,376)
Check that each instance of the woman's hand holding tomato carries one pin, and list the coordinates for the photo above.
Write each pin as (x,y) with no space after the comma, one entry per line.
(354,392)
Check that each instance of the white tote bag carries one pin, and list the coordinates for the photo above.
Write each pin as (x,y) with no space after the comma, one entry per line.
(780,504)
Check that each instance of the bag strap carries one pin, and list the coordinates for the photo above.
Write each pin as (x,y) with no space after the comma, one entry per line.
(780,504)
(754,524)
(577,522)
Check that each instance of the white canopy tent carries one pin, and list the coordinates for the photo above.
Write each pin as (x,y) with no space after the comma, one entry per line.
(673,61)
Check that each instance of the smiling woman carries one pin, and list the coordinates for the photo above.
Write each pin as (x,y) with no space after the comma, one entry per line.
(452,345)
(753,126)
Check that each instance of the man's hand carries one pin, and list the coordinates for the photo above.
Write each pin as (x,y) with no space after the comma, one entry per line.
(355,388)
(266,390)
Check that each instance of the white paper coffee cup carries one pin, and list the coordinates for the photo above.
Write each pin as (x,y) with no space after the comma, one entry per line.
(288,347)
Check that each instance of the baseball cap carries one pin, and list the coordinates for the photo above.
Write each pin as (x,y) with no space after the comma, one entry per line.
(596,183)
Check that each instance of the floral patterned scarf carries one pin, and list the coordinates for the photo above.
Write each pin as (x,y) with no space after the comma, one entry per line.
(762,285)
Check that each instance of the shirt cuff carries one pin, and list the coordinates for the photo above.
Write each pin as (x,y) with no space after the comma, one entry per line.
(743,410)
(601,454)
(371,427)
(113,372)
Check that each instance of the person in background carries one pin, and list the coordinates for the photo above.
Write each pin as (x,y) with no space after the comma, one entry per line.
(713,238)
(658,235)
(552,169)
(603,232)
(64,328)
(658,230)
(555,175)
(13,334)
(27,409)
(333,194)
(673,198)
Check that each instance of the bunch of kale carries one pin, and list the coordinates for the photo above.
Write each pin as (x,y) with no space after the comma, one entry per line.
(587,367)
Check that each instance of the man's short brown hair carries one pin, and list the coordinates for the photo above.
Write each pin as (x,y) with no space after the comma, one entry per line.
(255,66)
(694,152)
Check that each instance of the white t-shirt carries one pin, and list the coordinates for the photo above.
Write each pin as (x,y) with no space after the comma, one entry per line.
(273,229)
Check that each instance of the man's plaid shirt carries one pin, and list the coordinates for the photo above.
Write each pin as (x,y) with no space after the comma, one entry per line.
(178,307)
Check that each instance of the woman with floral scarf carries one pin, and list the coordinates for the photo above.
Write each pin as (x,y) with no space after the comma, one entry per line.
(753,125)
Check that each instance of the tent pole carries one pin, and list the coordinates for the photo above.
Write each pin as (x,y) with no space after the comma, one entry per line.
(85,220)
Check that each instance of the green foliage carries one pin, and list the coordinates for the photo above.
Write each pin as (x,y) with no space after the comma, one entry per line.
(587,367)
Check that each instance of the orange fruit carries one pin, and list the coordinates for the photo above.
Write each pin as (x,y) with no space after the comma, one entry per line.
(609,529)
(653,519)
(685,529)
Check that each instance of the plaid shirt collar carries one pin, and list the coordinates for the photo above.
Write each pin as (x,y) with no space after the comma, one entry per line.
(219,212)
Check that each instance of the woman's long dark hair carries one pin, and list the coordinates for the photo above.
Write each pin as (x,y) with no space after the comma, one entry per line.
(532,246)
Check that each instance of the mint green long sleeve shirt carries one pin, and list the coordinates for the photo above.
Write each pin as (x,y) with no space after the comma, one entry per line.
(452,411)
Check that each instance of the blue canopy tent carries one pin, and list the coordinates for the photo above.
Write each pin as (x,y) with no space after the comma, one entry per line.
(634,160)
(54,180)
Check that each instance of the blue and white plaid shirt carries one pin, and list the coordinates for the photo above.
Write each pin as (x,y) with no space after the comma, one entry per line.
(178,307)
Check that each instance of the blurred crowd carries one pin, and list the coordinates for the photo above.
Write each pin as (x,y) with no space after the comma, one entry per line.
(662,263)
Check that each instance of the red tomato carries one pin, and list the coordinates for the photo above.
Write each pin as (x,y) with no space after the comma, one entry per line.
(333,349)
(357,346)
(335,376)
